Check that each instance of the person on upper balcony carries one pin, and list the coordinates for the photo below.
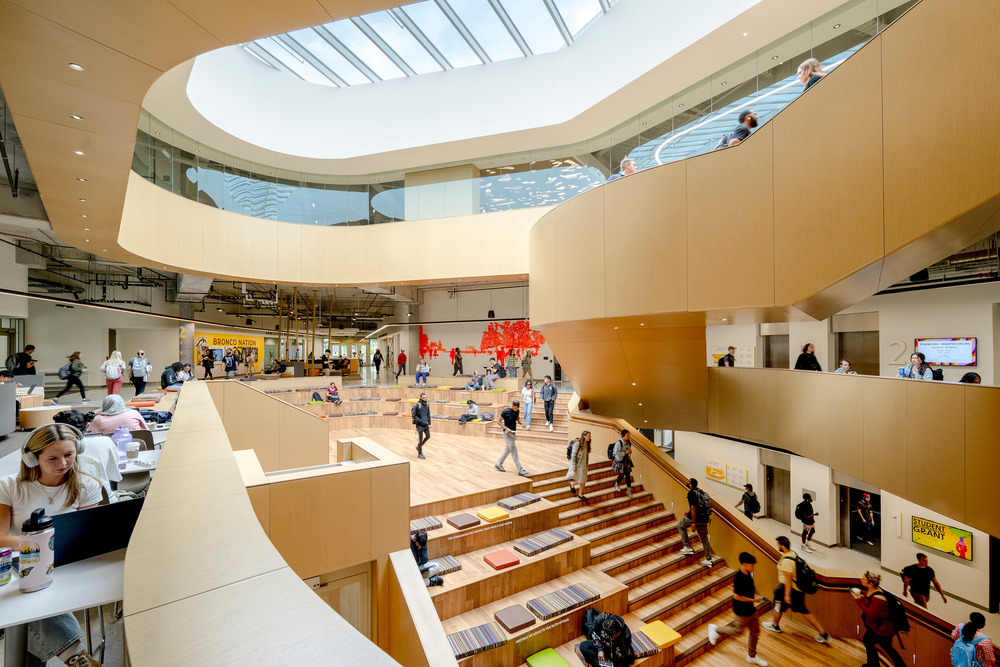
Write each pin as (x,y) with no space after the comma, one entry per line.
(627,169)
(918,368)
(810,72)
(807,361)
(729,358)
(748,121)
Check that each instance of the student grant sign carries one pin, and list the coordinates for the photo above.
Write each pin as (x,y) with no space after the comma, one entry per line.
(948,539)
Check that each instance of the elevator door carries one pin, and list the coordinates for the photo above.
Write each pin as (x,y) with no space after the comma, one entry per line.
(861,349)
(776,351)
(779,494)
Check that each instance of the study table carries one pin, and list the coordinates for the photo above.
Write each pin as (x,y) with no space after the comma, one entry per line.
(81,585)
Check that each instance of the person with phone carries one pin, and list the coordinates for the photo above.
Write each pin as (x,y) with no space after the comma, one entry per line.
(609,643)
(744,598)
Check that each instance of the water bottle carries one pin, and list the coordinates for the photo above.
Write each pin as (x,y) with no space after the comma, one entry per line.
(122,437)
(37,545)
(902,372)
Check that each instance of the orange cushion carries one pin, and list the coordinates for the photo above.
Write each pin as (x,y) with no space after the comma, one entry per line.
(498,560)
(141,404)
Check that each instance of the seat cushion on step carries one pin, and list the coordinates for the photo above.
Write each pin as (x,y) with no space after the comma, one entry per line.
(476,640)
(546,658)
(643,646)
(389,414)
(446,564)
(563,600)
(498,560)
(531,546)
(391,399)
(514,618)
(463,521)
(444,387)
(427,523)
(518,501)
(661,633)
(491,514)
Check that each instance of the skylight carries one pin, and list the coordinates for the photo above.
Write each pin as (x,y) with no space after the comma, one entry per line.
(427,36)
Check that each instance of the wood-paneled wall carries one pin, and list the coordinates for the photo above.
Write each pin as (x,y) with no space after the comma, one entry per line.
(932,443)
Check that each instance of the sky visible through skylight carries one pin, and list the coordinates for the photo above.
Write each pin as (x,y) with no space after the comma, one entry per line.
(425,37)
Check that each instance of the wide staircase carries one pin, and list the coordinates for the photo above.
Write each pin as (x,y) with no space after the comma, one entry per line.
(539,432)
(625,548)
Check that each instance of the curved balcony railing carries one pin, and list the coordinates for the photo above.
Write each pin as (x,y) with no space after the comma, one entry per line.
(687,124)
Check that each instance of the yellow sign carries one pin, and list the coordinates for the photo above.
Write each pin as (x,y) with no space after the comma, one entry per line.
(715,470)
(248,349)
(954,541)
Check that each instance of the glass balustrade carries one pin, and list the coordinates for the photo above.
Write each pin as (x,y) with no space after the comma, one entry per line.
(687,124)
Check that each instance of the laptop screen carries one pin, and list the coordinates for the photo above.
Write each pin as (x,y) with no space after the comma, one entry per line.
(95,531)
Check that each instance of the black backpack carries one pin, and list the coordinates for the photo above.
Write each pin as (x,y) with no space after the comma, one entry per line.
(703,509)
(11,363)
(937,374)
(800,511)
(611,450)
(805,576)
(569,450)
(752,504)
(897,614)
(502,372)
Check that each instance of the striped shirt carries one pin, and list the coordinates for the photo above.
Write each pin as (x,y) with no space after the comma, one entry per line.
(984,649)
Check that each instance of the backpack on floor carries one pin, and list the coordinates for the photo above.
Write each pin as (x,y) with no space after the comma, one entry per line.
(64,371)
(752,504)
(963,654)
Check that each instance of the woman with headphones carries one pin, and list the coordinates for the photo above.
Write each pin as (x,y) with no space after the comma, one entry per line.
(50,478)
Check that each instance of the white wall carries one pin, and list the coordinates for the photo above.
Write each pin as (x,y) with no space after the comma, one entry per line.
(13,276)
(968,580)
(818,480)
(817,333)
(691,450)
(737,335)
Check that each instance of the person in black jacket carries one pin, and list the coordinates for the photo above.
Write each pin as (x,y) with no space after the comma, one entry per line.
(807,360)
(421,414)
(609,640)
(729,359)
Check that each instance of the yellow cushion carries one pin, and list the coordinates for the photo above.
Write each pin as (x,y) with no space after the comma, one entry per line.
(412,400)
(662,634)
(448,387)
(492,514)
(474,420)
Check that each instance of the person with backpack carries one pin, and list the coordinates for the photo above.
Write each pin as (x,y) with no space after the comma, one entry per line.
(748,121)
(22,363)
(549,394)
(230,364)
(208,363)
(609,642)
(917,578)
(972,648)
(579,458)
(750,502)
(700,514)
(168,377)
(918,369)
(508,420)
(114,372)
(421,416)
(139,368)
(494,371)
(804,512)
(877,619)
(795,579)
(71,372)
(621,462)
(744,598)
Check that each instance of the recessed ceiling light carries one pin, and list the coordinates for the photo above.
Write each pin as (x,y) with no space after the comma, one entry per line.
(645,124)
(633,384)
(82,180)
(86,240)
(745,34)
(82,199)
(156,133)
(104,249)
(679,106)
(75,117)
(642,324)
(725,319)
(79,153)
(723,83)
(836,25)
(220,310)
(74,66)
(774,57)
(86,229)
(640,405)
(83,215)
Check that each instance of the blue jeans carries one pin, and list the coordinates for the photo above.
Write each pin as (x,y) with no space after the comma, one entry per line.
(425,375)
(49,637)
(527,413)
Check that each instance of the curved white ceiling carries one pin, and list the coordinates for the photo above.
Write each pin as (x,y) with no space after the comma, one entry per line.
(641,52)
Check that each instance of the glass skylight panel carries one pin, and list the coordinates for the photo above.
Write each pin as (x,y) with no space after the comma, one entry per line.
(364,49)
(295,63)
(487,28)
(439,30)
(578,13)
(328,56)
(403,42)
(535,24)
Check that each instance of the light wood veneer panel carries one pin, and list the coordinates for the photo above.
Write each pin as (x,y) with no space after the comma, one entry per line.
(982,457)
(828,190)
(935,453)
(731,226)
(841,438)
(885,434)
(579,261)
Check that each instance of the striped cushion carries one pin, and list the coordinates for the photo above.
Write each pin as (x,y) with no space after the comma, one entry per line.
(518,501)
(446,564)
(563,600)
(427,523)
(536,544)
(643,646)
(476,640)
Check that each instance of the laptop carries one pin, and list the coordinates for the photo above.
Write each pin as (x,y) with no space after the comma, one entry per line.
(95,531)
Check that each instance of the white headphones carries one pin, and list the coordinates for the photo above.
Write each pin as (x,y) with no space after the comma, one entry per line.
(30,459)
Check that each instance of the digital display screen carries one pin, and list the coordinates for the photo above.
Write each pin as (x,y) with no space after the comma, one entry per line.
(947,351)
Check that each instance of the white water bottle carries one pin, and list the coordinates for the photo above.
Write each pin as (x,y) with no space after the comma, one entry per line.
(122,437)
(37,559)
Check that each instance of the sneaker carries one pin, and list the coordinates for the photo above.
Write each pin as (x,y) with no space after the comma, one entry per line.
(806,547)
(499,467)
(54,401)
(421,456)
(713,634)
(771,626)
(86,400)
(823,638)
(618,489)
(756,661)
(629,492)
(706,562)
(687,551)
(527,428)
(551,427)
(869,543)
(523,473)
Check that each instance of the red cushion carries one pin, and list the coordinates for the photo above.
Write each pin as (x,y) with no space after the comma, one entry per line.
(498,560)
(141,404)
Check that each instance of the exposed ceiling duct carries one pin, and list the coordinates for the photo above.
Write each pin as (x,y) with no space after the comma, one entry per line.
(192,288)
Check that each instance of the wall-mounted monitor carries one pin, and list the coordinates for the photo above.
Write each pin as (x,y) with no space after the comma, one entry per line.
(948,539)
(947,351)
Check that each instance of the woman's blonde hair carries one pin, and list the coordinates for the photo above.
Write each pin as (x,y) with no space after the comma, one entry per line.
(116,358)
(42,437)
(875,579)
(808,68)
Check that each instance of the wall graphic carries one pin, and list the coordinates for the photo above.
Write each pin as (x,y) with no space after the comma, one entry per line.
(497,340)
(948,539)
(248,349)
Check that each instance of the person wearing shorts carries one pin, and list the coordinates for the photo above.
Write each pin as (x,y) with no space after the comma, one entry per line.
(787,597)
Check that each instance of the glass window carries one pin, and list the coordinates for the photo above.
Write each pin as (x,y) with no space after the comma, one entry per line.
(292,61)
(535,24)
(364,49)
(578,14)
(402,42)
(439,30)
(487,28)
(329,56)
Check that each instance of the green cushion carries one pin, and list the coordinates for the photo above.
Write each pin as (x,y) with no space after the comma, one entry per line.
(547,658)
(498,390)
(395,386)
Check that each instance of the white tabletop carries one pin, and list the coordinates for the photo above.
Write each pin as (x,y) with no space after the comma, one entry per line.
(80,585)
(151,456)
(10,464)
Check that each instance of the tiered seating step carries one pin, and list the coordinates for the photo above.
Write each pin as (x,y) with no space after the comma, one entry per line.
(534,545)
(608,501)
(476,640)
(694,641)
(665,598)
(632,526)
(613,520)
(567,651)
(529,520)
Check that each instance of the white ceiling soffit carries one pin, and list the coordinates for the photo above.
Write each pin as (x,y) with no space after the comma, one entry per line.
(192,288)
(640,53)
